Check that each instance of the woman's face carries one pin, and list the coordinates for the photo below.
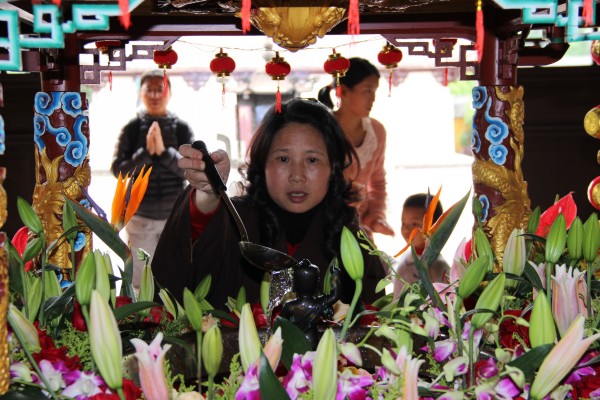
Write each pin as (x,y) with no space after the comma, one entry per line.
(361,97)
(297,170)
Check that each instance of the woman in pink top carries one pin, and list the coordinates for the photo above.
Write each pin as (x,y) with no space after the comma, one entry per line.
(367,135)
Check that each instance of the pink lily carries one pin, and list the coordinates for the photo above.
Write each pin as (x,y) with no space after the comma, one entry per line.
(566,206)
(152,367)
(561,359)
(460,259)
(568,296)
(411,375)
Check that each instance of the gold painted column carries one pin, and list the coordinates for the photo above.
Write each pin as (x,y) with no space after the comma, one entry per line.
(61,136)
(4,293)
(498,147)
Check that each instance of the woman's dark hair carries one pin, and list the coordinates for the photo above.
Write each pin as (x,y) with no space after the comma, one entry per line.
(422,200)
(338,211)
(359,70)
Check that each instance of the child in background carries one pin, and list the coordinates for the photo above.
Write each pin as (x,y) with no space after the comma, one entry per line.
(413,210)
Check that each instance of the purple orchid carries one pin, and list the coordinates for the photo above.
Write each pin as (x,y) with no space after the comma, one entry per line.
(487,369)
(249,389)
(353,386)
(299,378)
(81,385)
(443,349)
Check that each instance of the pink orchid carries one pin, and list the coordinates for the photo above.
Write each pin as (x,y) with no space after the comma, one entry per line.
(299,378)
(561,359)
(460,259)
(443,349)
(565,206)
(152,367)
(568,296)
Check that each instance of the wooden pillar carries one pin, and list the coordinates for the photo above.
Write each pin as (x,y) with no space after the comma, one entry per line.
(498,145)
(61,137)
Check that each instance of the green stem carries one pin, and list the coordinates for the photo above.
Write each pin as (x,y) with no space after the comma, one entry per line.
(121,393)
(458,325)
(42,317)
(471,369)
(357,291)
(549,282)
(590,271)
(34,363)
(211,395)
(86,317)
(72,245)
(199,358)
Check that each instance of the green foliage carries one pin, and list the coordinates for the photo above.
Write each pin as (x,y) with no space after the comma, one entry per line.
(231,384)
(77,344)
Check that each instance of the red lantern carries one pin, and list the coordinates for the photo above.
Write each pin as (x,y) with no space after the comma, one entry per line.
(165,59)
(594,192)
(104,46)
(336,66)
(223,66)
(595,50)
(389,56)
(277,68)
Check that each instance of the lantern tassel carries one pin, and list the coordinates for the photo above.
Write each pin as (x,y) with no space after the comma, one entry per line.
(338,90)
(110,80)
(223,92)
(353,18)
(278,100)
(588,12)
(165,82)
(125,17)
(390,83)
(445,82)
(245,14)
(480,32)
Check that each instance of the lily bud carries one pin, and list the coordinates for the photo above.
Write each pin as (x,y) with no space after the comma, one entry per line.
(352,257)
(389,363)
(324,373)
(168,303)
(34,297)
(241,299)
(105,341)
(515,255)
(591,238)
(193,311)
(84,284)
(273,349)
(575,241)
(351,352)
(477,208)
(212,350)
(490,300)
(473,276)
(556,240)
(102,284)
(146,284)
(248,338)
(541,324)
(26,330)
(203,287)
(483,247)
(109,271)
(69,220)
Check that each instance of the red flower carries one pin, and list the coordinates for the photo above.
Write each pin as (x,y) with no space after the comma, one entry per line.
(368,320)
(53,354)
(122,300)
(565,206)
(77,318)
(509,330)
(260,319)
(131,392)
(155,315)
(19,242)
(588,383)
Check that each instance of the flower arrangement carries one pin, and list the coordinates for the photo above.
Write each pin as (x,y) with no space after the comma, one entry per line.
(525,326)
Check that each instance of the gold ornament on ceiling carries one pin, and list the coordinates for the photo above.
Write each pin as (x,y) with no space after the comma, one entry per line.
(295,28)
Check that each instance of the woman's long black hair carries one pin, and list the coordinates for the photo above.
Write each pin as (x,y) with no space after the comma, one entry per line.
(338,211)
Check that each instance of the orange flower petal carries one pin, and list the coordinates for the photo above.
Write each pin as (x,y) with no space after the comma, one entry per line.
(428,217)
(118,204)
(410,238)
(137,193)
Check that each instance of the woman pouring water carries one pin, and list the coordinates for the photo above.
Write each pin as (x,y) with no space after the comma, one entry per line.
(296,201)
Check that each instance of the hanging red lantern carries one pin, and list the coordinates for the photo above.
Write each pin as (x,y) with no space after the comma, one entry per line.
(595,50)
(165,59)
(390,56)
(277,68)
(336,65)
(104,47)
(223,66)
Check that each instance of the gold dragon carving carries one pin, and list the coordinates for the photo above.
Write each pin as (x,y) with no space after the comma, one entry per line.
(515,211)
(48,201)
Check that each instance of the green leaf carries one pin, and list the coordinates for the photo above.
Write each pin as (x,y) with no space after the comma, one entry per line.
(132,308)
(203,287)
(531,361)
(383,283)
(24,393)
(383,301)
(532,276)
(223,315)
(294,341)
(69,221)
(55,306)
(34,247)
(269,386)
(421,268)
(110,236)
(29,217)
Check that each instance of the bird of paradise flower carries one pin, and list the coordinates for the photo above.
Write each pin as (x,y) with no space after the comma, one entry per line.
(427,229)
(128,196)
